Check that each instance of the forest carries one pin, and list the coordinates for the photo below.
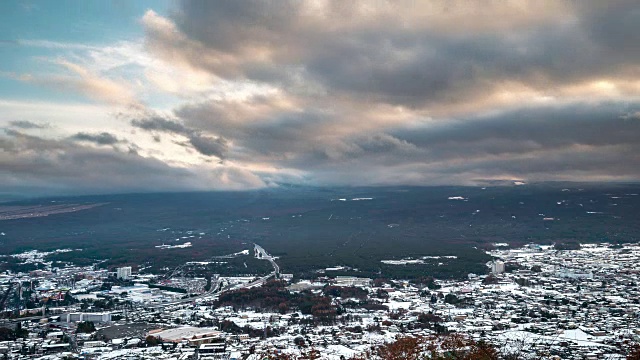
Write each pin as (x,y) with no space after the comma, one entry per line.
(332,231)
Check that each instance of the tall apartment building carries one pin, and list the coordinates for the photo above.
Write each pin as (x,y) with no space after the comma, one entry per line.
(497,267)
(123,273)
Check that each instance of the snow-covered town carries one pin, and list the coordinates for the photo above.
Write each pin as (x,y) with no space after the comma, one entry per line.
(320,179)
(536,302)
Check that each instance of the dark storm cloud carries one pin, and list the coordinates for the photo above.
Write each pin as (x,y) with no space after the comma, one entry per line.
(368,55)
(528,130)
(103,138)
(578,141)
(590,143)
(613,25)
(405,92)
(492,89)
(422,70)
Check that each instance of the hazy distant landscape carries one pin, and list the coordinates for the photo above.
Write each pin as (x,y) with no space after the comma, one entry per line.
(444,230)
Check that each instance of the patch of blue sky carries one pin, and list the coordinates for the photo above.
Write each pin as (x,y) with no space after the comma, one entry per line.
(36,33)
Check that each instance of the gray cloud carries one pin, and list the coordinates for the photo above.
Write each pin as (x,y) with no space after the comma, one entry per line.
(572,142)
(204,144)
(260,134)
(613,26)
(23,124)
(433,92)
(37,165)
(403,92)
(208,145)
(529,130)
(157,123)
(103,138)
(361,54)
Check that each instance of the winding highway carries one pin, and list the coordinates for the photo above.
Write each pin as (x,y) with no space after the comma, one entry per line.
(264,255)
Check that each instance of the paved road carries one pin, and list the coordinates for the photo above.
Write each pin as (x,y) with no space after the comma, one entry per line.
(266,256)
(216,290)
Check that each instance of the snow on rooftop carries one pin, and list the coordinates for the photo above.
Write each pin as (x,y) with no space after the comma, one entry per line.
(185,332)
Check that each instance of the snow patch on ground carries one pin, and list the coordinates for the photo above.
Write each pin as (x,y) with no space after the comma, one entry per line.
(182,246)
(457,198)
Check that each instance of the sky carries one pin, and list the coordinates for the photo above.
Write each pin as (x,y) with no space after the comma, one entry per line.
(128,96)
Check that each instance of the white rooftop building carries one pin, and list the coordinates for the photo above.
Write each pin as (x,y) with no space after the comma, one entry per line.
(93,317)
(123,273)
(497,267)
(352,281)
(189,333)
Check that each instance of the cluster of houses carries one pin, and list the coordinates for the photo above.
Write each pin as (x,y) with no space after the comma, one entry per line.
(538,302)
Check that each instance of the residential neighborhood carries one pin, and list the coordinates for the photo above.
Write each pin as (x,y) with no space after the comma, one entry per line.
(536,300)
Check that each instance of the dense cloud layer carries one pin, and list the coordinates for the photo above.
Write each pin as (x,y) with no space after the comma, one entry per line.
(360,92)
(33,165)
(420,93)
(436,54)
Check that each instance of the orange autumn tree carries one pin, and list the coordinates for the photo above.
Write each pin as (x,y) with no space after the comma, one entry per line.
(405,348)
(449,347)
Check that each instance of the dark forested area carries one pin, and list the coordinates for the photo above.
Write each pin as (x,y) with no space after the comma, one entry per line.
(310,229)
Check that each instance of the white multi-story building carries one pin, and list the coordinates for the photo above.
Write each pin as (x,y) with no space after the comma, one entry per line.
(93,317)
(352,281)
(123,273)
(497,267)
